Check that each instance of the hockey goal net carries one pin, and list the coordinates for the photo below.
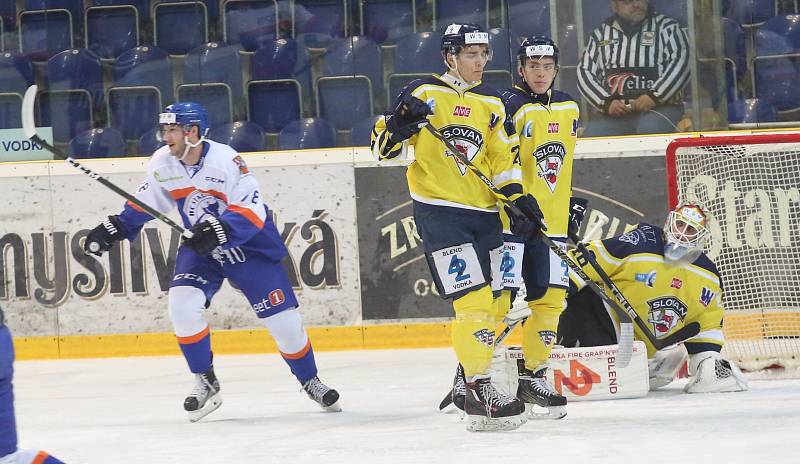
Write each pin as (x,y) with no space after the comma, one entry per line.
(749,188)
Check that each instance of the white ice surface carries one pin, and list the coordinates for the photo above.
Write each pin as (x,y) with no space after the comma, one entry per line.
(129,410)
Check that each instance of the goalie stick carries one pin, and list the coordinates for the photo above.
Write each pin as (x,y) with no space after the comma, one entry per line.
(625,341)
(29,126)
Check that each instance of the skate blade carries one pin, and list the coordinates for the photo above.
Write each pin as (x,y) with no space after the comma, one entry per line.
(542,413)
(335,407)
(212,404)
(500,424)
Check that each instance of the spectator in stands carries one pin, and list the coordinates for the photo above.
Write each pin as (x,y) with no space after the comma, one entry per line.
(633,71)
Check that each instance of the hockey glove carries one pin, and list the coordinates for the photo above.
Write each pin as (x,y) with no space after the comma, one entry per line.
(711,373)
(408,118)
(102,238)
(207,235)
(532,222)
(577,209)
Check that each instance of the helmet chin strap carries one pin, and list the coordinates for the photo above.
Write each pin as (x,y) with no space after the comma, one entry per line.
(456,75)
(189,145)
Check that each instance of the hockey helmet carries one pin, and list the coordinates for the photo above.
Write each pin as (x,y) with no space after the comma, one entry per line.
(457,36)
(686,232)
(186,114)
(537,46)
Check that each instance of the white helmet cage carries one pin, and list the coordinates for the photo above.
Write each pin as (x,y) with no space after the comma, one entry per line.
(686,233)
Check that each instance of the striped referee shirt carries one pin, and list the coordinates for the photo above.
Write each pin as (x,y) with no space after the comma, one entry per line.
(652,59)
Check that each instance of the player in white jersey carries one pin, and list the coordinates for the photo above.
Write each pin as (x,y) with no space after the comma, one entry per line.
(234,237)
(670,283)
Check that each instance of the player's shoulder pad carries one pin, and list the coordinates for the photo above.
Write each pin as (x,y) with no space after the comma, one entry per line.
(485,90)
(558,96)
(704,262)
(417,83)
(514,99)
(645,238)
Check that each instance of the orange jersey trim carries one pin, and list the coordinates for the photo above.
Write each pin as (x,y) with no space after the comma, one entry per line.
(194,338)
(40,457)
(135,206)
(299,354)
(177,194)
(248,214)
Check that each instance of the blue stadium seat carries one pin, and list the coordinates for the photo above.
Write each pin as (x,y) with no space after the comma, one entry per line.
(532,17)
(75,8)
(448,12)
(283,59)
(307,133)
(787,27)
(149,143)
(16,74)
(735,45)
(215,62)
(344,100)
(770,43)
(78,68)
(419,53)
(98,143)
(215,98)
(751,12)
(68,112)
(353,56)
(775,81)
(387,20)
(142,6)
(504,53)
(253,23)
(193,31)
(10,110)
(321,16)
(751,111)
(111,30)
(43,33)
(145,66)
(133,110)
(272,104)
(361,134)
(243,136)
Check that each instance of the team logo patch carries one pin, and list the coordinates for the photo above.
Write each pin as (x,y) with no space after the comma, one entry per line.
(676,283)
(648,38)
(242,165)
(665,313)
(648,279)
(706,296)
(527,130)
(462,111)
(550,158)
(485,336)
(635,236)
(199,205)
(467,140)
(548,336)
(552,127)
(276,297)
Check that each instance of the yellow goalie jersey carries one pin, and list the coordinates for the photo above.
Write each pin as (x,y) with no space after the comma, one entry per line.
(547,128)
(474,119)
(665,297)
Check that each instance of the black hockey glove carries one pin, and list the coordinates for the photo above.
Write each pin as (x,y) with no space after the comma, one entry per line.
(102,238)
(207,235)
(532,224)
(577,209)
(408,118)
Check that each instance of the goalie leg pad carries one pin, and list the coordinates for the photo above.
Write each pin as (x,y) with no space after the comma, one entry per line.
(711,373)
(665,364)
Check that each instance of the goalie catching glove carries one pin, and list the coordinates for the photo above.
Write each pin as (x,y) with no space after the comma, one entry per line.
(102,238)
(532,224)
(408,118)
(711,373)
(207,235)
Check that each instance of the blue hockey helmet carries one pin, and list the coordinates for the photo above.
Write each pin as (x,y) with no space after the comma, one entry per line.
(186,114)
(537,46)
(457,36)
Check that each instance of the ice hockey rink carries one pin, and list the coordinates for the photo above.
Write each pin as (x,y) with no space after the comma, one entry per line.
(129,410)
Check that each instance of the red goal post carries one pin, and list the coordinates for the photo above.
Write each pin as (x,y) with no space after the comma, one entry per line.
(750,188)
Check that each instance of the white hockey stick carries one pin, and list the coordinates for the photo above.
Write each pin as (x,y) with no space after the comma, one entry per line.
(29,126)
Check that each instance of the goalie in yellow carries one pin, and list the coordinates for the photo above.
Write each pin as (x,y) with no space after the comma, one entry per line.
(670,282)
(455,213)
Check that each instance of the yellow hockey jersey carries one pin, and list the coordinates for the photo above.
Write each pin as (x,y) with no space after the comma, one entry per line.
(665,297)
(547,128)
(474,119)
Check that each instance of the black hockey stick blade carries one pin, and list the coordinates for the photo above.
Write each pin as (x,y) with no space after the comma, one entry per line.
(447,400)
(688,331)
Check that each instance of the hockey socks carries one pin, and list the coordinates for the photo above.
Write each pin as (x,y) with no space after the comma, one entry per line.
(197,350)
(302,363)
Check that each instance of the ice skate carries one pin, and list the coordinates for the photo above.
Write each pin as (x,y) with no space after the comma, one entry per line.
(327,397)
(533,389)
(204,398)
(489,409)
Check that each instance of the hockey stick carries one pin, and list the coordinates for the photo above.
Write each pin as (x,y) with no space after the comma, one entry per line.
(686,332)
(29,126)
(625,342)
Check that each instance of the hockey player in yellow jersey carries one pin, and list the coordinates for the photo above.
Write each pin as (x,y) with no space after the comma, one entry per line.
(455,213)
(670,283)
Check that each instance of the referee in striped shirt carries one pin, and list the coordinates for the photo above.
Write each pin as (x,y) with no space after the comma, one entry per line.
(633,71)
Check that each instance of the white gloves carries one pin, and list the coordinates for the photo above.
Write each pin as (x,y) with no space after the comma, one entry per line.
(711,373)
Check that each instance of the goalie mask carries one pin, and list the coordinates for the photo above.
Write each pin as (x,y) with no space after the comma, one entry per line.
(187,115)
(685,233)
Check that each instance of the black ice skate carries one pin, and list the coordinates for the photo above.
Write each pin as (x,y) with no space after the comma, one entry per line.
(459,393)
(204,398)
(489,409)
(534,389)
(327,397)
